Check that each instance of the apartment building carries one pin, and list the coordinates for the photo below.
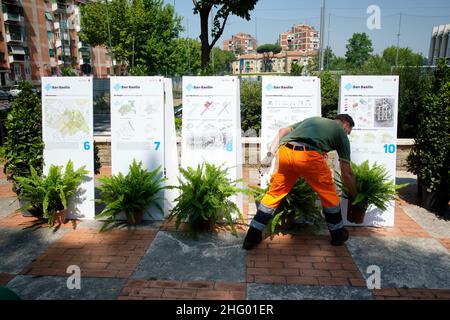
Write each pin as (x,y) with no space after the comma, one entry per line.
(240,43)
(300,37)
(40,37)
(439,44)
(280,63)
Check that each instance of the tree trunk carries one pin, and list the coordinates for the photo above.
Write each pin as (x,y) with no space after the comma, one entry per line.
(204,14)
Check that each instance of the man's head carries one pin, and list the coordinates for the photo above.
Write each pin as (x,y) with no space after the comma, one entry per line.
(346,122)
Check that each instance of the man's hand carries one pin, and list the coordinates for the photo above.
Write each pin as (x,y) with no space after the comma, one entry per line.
(267,160)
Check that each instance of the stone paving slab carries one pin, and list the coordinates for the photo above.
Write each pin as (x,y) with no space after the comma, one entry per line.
(175,256)
(55,288)
(435,226)
(302,292)
(8,206)
(20,247)
(404,262)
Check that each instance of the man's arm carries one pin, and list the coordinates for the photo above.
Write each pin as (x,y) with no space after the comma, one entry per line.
(276,141)
(348,177)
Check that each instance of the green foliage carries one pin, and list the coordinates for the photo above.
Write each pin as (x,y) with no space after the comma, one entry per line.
(186,57)
(68,72)
(178,125)
(359,49)
(269,48)
(50,193)
(406,57)
(430,156)
(373,185)
(251,106)
(24,145)
(143,29)
(223,9)
(329,88)
(222,61)
(139,70)
(296,69)
(300,203)
(131,193)
(97,162)
(204,198)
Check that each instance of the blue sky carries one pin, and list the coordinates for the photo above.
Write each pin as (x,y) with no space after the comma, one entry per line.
(271,17)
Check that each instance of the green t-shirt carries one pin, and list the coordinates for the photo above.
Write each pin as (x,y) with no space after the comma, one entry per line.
(322,134)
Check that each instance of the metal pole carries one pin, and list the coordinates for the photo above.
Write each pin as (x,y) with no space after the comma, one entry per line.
(109,37)
(398,38)
(322,27)
(212,24)
(328,38)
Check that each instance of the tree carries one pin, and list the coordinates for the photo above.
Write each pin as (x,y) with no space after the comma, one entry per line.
(329,88)
(240,8)
(222,61)
(137,32)
(296,69)
(406,57)
(268,51)
(328,58)
(251,107)
(359,49)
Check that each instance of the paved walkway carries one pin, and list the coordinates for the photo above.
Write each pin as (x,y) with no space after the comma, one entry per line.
(154,261)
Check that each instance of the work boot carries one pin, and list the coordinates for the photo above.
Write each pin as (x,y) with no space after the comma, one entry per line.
(253,238)
(339,236)
(257,225)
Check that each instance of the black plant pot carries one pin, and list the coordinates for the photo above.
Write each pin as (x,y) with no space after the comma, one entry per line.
(435,201)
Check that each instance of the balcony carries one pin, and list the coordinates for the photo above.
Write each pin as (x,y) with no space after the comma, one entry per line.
(66,52)
(56,25)
(16,58)
(15,37)
(13,17)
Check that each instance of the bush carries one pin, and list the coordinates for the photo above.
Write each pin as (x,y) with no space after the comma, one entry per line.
(430,156)
(204,199)
(131,194)
(251,105)
(300,203)
(50,194)
(329,88)
(24,145)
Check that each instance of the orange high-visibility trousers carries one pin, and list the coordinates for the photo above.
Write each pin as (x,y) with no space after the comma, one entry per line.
(311,165)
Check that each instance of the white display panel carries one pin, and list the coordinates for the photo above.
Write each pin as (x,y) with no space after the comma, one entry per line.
(211,128)
(285,101)
(137,125)
(68,134)
(372,102)
(170,149)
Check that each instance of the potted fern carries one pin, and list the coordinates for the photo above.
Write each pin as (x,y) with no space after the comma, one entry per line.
(131,194)
(51,193)
(205,199)
(300,203)
(374,187)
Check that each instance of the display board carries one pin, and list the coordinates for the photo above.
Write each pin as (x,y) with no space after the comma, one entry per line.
(68,134)
(170,149)
(211,129)
(285,101)
(137,125)
(372,102)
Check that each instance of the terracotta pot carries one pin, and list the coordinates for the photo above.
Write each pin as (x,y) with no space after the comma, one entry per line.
(60,216)
(355,214)
(205,225)
(137,217)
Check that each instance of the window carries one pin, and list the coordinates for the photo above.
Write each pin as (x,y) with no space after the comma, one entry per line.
(108,71)
(49,35)
(48,16)
(51,52)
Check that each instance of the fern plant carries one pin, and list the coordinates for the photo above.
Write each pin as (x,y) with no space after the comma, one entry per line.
(131,194)
(300,203)
(205,198)
(50,193)
(373,185)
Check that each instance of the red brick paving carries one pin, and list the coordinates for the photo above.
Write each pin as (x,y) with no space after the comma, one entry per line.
(445,243)
(6,190)
(177,289)
(17,220)
(302,259)
(112,254)
(411,294)
(404,226)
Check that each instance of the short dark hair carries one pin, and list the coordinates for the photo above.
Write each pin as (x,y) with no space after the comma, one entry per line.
(345,118)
